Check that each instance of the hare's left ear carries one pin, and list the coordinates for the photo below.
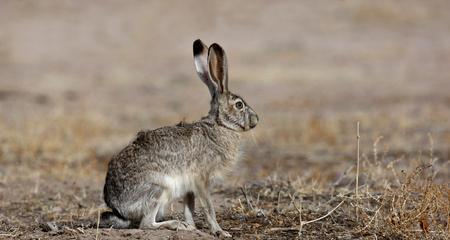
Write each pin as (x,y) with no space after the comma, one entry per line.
(201,66)
(218,67)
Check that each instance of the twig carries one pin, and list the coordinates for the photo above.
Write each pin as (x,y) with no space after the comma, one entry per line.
(324,216)
(98,224)
(375,149)
(278,201)
(302,223)
(432,158)
(371,220)
(257,201)
(339,180)
(36,186)
(70,229)
(357,167)
(430,139)
(282,229)
(249,204)
(242,207)
(299,210)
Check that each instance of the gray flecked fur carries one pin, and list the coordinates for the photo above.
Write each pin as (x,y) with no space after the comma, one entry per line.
(179,161)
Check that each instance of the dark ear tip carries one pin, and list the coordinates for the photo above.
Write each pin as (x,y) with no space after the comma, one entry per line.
(217,48)
(198,46)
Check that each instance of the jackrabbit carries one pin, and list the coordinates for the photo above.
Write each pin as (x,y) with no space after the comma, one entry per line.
(179,161)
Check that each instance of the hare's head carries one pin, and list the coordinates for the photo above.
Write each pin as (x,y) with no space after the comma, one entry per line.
(227,109)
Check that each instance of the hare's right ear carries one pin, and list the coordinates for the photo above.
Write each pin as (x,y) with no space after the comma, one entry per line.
(201,65)
(218,67)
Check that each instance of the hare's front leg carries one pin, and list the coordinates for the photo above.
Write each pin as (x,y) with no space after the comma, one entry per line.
(205,199)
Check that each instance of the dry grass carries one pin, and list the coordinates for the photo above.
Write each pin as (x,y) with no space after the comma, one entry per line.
(400,194)
(407,205)
(60,145)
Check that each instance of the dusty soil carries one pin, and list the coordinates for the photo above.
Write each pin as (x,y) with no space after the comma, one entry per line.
(79,79)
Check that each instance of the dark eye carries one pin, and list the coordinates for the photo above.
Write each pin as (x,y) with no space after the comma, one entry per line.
(239,105)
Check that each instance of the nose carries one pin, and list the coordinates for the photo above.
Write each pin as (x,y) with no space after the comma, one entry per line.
(253,120)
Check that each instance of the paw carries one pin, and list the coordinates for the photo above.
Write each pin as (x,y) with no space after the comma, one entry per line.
(222,234)
(192,224)
(185,226)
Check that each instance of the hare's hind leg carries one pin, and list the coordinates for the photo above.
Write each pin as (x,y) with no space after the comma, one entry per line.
(112,219)
(161,213)
(151,210)
(189,208)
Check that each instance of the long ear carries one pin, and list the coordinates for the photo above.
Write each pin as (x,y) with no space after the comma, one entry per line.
(201,66)
(218,66)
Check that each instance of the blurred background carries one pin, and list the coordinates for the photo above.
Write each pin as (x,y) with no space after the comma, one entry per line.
(78,79)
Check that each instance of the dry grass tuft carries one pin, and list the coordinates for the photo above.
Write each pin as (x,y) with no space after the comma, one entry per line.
(398,198)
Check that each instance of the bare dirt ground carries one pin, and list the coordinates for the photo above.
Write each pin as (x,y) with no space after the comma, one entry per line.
(79,79)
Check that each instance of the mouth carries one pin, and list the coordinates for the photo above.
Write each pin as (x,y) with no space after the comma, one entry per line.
(248,127)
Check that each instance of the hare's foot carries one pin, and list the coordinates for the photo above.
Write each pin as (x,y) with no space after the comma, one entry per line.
(155,208)
(170,224)
(109,219)
(222,234)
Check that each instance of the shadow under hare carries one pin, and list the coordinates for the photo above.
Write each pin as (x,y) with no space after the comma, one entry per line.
(179,161)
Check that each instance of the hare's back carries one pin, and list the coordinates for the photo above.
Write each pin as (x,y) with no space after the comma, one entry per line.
(166,137)
(161,149)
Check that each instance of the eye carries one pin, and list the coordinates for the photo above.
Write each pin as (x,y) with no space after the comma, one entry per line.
(239,105)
